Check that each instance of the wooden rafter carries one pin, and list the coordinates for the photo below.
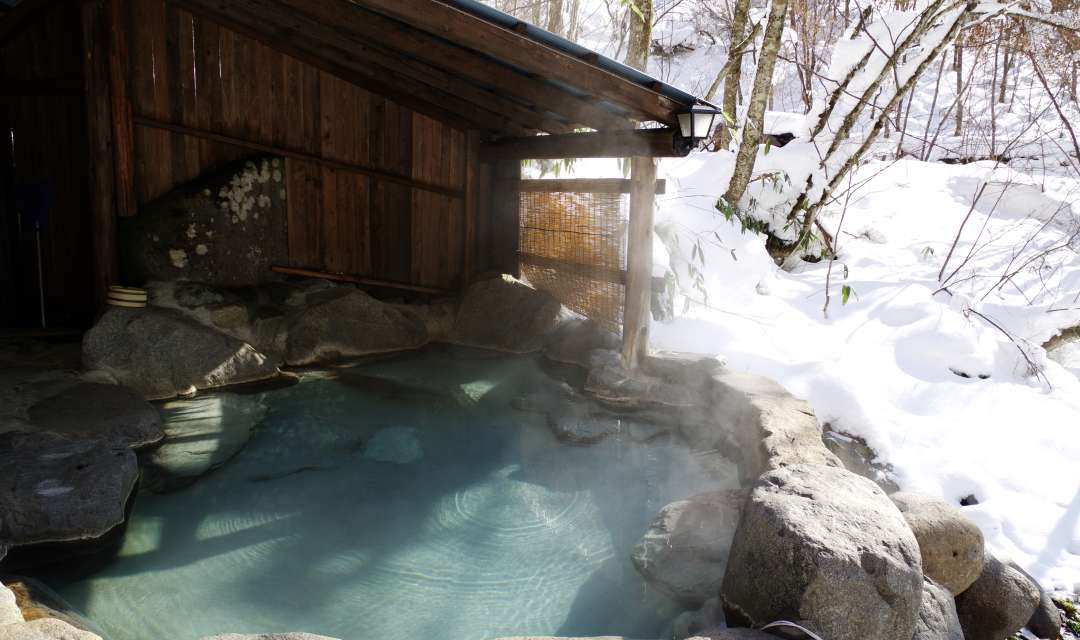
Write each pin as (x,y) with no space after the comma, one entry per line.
(458,61)
(275,27)
(514,48)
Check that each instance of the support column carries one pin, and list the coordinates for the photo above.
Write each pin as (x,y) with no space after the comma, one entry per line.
(639,261)
(100,144)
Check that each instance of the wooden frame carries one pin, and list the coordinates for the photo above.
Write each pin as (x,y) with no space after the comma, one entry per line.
(584,185)
(655,143)
(639,261)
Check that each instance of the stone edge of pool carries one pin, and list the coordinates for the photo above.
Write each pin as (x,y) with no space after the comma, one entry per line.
(812,542)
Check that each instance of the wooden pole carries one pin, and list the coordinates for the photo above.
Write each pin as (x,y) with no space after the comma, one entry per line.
(100,161)
(122,129)
(639,259)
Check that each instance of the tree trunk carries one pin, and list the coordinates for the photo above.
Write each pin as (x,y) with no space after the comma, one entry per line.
(555,17)
(958,66)
(755,110)
(739,19)
(637,49)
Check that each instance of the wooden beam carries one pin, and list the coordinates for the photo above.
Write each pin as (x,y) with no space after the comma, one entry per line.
(651,143)
(639,262)
(279,35)
(605,274)
(344,277)
(371,172)
(367,26)
(584,185)
(120,104)
(500,43)
(100,161)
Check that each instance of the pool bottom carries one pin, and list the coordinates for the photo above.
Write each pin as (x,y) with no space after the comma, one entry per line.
(405,498)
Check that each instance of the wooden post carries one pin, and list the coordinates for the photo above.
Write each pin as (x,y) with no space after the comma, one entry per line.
(120,105)
(639,259)
(506,217)
(470,204)
(100,146)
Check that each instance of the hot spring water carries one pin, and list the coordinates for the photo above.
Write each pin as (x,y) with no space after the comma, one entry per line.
(417,497)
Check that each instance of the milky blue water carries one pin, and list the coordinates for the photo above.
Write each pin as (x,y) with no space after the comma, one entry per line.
(402,499)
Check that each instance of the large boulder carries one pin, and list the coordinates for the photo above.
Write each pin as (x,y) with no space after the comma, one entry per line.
(506,315)
(100,410)
(44,629)
(202,433)
(574,341)
(684,553)
(61,489)
(225,228)
(351,324)
(1046,622)
(161,353)
(998,604)
(824,545)
(951,545)
(937,614)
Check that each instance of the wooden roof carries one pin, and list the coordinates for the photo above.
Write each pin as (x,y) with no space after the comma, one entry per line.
(456,60)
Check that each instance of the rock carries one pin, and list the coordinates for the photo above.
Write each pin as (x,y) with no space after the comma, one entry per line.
(161,353)
(201,434)
(36,600)
(950,544)
(684,553)
(229,316)
(611,381)
(350,325)
(270,636)
(937,614)
(1046,622)
(505,314)
(857,456)
(226,228)
(9,608)
(998,604)
(582,427)
(824,545)
(62,489)
(44,629)
(770,427)
(574,341)
(708,619)
(100,410)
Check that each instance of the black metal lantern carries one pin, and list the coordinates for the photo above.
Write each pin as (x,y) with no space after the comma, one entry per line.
(697,124)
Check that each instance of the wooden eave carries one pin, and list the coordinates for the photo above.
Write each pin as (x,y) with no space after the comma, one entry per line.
(445,62)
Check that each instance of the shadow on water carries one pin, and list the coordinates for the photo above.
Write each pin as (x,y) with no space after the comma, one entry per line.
(393,500)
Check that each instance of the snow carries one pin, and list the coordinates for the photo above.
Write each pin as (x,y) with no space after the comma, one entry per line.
(942,396)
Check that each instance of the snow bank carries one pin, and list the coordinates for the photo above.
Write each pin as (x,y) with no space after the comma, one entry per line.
(942,395)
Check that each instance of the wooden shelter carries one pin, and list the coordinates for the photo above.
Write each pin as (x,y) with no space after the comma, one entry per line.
(403,124)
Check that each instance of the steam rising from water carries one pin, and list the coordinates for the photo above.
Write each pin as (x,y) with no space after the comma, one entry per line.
(385,503)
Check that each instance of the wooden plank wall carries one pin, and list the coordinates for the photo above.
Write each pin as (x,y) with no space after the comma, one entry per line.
(43,135)
(190,71)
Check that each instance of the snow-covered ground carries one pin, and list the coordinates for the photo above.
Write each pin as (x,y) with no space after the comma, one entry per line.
(942,394)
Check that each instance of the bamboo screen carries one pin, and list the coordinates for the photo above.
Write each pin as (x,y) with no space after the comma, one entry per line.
(574,245)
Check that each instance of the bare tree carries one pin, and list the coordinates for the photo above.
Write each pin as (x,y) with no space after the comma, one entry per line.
(640,39)
(755,110)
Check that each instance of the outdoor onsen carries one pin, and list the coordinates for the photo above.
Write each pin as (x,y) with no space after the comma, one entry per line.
(450,493)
